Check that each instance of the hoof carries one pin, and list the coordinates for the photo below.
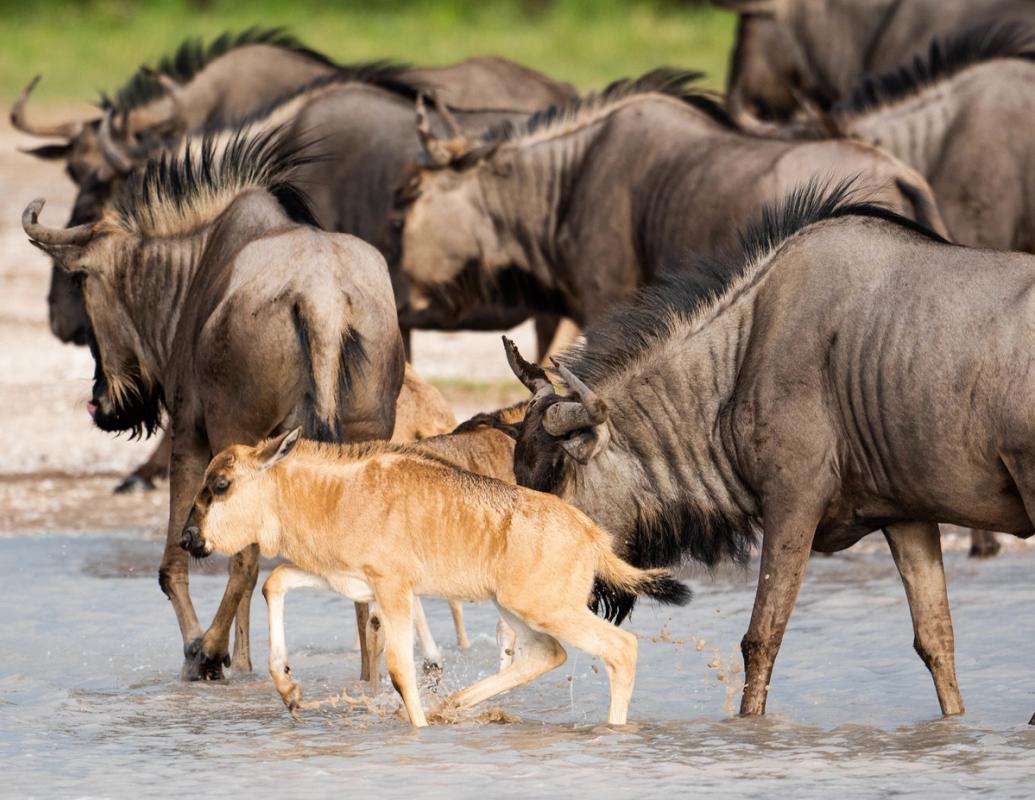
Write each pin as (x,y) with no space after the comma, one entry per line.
(200,666)
(985,547)
(135,482)
(293,701)
(1032,720)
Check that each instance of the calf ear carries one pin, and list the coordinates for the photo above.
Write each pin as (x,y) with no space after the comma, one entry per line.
(273,450)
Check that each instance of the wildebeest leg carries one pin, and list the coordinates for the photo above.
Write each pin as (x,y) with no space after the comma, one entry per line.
(917,550)
(242,658)
(457,610)
(786,544)
(156,466)
(214,652)
(186,471)
(375,636)
(284,578)
(395,604)
(362,620)
(565,334)
(535,654)
(983,544)
(506,641)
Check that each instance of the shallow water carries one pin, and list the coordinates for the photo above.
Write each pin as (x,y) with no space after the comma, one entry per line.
(91,703)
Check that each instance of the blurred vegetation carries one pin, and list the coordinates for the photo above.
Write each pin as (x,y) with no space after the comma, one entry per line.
(85,46)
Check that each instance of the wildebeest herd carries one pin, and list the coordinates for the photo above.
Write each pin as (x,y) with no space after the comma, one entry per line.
(805,310)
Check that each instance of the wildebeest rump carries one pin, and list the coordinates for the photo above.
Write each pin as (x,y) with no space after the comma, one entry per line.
(859,374)
(574,209)
(814,51)
(210,292)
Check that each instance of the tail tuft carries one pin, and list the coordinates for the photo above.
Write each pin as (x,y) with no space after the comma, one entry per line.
(666,589)
(618,584)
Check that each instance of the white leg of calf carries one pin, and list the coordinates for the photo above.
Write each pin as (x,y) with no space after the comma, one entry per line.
(284,578)
(506,640)
(457,610)
(427,641)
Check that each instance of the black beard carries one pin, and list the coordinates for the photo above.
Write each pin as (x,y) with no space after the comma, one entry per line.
(140,415)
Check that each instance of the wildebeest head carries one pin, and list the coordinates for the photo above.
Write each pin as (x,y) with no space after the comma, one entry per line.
(444,234)
(96,158)
(227,514)
(125,396)
(768,75)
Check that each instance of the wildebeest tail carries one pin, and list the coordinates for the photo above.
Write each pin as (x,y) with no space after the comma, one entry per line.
(619,583)
(925,209)
(331,365)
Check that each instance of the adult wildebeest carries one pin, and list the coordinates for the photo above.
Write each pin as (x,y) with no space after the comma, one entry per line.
(794,52)
(580,205)
(818,398)
(251,75)
(437,530)
(211,293)
(959,116)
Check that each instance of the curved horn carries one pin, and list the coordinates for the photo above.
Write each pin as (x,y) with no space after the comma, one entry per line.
(531,375)
(79,235)
(595,407)
(114,153)
(447,116)
(66,130)
(436,154)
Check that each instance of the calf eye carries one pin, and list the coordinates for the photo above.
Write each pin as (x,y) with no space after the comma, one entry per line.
(220,485)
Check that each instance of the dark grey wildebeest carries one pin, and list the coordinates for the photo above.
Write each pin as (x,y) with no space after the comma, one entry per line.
(817,398)
(795,53)
(576,208)
(210,292)
(365,120)
(960,116)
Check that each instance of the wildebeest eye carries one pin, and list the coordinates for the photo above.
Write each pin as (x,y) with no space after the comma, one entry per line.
(220,485)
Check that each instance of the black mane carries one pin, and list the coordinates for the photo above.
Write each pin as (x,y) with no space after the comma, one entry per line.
(387,75)
(664,80)
(634,328)
(173,183)
(945,58)
(192,56)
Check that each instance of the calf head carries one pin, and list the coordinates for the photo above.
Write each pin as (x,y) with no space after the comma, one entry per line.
(228,512)
(125,396)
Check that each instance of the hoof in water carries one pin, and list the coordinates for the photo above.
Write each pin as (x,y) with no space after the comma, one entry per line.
(984,544)
(135,482)
(1032,720)
(200,666)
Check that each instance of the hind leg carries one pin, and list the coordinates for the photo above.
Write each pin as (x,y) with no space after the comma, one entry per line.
(535,654)
(457,610)
(583,629)
(395,604)
(917,550)
(427,641)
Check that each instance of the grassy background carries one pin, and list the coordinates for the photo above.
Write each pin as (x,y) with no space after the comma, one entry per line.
(85,46)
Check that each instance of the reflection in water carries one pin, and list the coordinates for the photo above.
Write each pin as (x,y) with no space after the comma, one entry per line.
(90,701)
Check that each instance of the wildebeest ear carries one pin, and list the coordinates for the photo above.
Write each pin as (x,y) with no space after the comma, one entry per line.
(273,450)
(586,443)
(48,152)
(532,376)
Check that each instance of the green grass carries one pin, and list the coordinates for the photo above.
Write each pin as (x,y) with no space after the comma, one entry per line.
(84,47)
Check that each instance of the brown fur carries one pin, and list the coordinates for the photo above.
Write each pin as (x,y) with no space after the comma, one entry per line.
(440,530)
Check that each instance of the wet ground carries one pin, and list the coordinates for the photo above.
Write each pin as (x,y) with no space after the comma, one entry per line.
(91,704)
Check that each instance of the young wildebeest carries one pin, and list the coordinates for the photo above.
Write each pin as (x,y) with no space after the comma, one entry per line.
(960,118)
(439,530)
(792,54)
(209,293)
(553,212)
(692,422)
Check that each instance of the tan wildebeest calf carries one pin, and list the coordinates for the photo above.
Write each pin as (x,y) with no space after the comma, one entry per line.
(385,522)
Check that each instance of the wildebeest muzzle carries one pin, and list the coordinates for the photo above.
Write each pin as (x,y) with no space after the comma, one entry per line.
(191,539)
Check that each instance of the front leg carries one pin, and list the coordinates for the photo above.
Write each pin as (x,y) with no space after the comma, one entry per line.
(786,544)
(186,471)
(215,645)
(917,550)
(284,578)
